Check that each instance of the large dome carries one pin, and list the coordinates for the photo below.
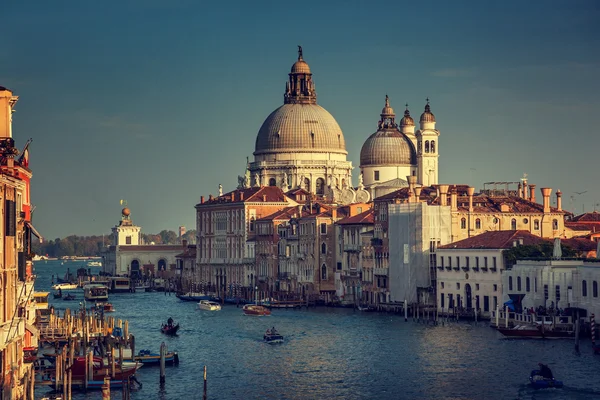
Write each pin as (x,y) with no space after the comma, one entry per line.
(388,147)
(300,127)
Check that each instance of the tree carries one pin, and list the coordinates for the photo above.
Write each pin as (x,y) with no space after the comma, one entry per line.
(190,236)
(543,250)
(168,237)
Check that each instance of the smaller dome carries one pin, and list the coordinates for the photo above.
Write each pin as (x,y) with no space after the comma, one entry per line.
(388,147)
(427,115)
(407,120)
(300,67)
(126,212)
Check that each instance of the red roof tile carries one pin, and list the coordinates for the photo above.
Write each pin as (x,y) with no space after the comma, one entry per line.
(364,218)
(263,194)
(593,217)
(495,240)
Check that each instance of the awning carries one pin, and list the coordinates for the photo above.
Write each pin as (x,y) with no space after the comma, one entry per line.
(34,331)
(33,230)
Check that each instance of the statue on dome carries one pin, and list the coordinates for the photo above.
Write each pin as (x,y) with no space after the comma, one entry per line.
(360,181)
(284,181)
(299,52)
(247,179)
(220,190)
(256,180)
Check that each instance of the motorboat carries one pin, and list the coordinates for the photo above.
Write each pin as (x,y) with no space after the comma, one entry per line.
(256,310)
(64,286)
(119,284)
(95,292)
(208,305)
(169,329)
(146,357)
(537,332)
(193,296)
(540,382)
(272,337)
(96,380)
(104,307)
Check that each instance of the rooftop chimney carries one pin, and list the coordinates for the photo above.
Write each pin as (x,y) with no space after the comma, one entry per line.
(525,193)
(233,196)
(201,199)
(559,204)
(546,195)
(210,197)
(241,195)
(418,193)
(264,198)
(532,193)
(334,213)
(470,191)
(453,199)
(443,195)
(520,191)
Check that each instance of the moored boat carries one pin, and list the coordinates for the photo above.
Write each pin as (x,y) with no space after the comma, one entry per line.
(64,286)
(78,371)
(95,292)
(256,310)
(537,332)
(208,305)
(148,358)
(193,296)
(104,307)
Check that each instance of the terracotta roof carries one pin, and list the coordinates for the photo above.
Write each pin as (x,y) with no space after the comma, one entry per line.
(579,244)
(190,252)
(283,214)
(583,226)
(263,194)
(364,218)
(495,240)
(593,217)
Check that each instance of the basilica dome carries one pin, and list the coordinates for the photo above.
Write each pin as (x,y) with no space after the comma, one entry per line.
(300,127)
(387,147)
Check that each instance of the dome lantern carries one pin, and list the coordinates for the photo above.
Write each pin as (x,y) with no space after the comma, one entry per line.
(300,88)
(427,115)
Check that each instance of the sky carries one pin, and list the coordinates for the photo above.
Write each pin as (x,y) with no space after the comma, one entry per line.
(159,102)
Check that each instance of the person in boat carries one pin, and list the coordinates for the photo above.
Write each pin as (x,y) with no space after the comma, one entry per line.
(273,331)
(170,322)
(545,371)
(268,332)
(59,292)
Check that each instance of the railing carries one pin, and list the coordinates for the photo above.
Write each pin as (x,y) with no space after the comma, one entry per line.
(352,247)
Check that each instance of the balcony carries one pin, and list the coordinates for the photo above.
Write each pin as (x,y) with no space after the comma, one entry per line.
(353,248)
(10,332)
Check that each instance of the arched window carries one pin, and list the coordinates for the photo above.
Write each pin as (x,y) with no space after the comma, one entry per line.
(584,288)
(518,283)
(427,146)
(477,223)
(320,186)
(555,224)
(510,283)
(595,289)
(536,224)
(513,224)
(433,146)
(251,224)
(324,272)
(307,184)
(323,248)
(463,223)
(527,284)
(272,182)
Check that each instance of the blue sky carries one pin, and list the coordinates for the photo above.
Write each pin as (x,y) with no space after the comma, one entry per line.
(157,102)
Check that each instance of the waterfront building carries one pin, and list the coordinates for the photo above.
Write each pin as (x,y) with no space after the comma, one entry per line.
(355,283)
(226,226)
(585,225)
(469,271)
(129,257)
(554,283)
(17,332)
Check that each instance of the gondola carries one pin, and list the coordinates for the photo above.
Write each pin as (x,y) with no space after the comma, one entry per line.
(69,297)
(57,295)
(540,382)
(170,329)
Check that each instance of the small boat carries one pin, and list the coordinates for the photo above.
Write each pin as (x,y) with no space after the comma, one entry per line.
(169,329)
(193,296)
(104,307)
(256,310)
(537,332)
(272,337)
(64,286)
(208,305)
(146,357)
(69,297)
(540,382)
(96,380)
(57,295)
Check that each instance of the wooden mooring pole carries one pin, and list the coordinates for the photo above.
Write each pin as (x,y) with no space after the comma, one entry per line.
(106,389)
(163,353)
(205,395)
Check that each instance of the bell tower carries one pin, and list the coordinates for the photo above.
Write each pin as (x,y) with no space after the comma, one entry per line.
(427,148)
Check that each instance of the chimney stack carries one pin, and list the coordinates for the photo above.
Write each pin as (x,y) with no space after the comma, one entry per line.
(412,182)
(559,204)
(418,193)
(241,195)
(546,195)
(470,191)
(210,197)
(532,193)
(233,196)
(453,199)
(443,195)
(334,214)
(201,199)
(525,193)
(264,198)
(520,191)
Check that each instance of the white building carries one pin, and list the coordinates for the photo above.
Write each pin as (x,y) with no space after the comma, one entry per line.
(469,272)
(558,283)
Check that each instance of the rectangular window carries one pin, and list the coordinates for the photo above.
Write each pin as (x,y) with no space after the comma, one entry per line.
(442,261)
(495,302)
(442,300)
(494,262)
(457,261)
(557,294)
(323,228)
(495,287)
(450,301)
(339,266)
(485,264)
(477,286)
(376,175)
(128,240)
(467,259)
(449,261)
(477,262)
(545,292)
(486,303)
(11,218)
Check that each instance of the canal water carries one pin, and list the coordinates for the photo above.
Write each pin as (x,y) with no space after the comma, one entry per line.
(333,353)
